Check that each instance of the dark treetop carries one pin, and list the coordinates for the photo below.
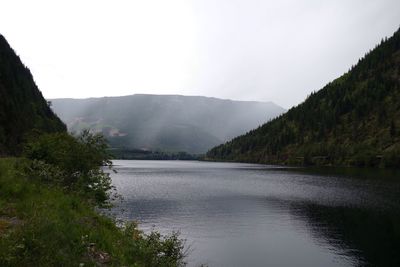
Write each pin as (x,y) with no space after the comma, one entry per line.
(354,120)
(22,106)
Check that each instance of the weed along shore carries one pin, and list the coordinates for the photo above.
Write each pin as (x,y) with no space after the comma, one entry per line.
(47,210)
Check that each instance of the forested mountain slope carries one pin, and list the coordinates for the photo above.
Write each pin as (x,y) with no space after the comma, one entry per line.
(354,120)
(22,106)
(170,123)
(52,185)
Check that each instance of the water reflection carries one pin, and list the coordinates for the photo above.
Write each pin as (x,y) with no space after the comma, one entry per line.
(371,236)
(253,215)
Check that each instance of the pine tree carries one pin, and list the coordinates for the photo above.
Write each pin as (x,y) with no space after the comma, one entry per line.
(392,129)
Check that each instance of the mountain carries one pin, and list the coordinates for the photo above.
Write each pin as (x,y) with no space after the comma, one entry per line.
(354,120)
(22,106)
(170,123)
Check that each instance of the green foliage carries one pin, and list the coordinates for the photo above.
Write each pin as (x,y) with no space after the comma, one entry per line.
(393,129)
(351,121)
(72,162)
(138,154)
(46,226)
(157,250)
(48,199)
(391,157)
(22,106)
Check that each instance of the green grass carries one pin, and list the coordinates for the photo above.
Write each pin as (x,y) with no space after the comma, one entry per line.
(41,225)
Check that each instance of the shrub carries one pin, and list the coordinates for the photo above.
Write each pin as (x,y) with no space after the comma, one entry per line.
(47,226)
(72,162)
(156,249)
(391,158)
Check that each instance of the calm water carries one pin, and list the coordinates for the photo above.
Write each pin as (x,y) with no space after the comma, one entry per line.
(255,215)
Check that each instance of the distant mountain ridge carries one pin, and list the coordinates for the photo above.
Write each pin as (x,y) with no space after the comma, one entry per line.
(354,120)
(22,106)
(172,123)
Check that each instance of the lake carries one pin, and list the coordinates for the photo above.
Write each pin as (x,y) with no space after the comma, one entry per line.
(234,214)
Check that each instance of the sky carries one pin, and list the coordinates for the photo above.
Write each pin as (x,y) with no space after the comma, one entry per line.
(278,51)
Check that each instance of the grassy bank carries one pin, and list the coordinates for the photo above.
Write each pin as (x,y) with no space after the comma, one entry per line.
(44,225)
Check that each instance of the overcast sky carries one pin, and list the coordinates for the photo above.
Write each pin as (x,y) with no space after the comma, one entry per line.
(276,51)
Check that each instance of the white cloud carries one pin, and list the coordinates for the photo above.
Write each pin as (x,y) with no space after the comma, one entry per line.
(247,49)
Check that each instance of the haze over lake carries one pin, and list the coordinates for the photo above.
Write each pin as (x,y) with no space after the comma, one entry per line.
(246,133)
(235,214)
(170,123)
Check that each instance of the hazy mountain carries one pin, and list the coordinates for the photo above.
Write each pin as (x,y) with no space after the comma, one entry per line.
(165,122)
(354,120)
(22,106)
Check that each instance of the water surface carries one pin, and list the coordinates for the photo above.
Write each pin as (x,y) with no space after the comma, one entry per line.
(234,214)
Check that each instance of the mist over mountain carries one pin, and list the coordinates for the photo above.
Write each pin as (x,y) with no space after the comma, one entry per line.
(170,123)
(353,120)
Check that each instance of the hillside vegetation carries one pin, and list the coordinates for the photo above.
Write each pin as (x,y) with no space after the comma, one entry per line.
(166,123)
(22,106)
(51,193)
(43,224)
(354,120)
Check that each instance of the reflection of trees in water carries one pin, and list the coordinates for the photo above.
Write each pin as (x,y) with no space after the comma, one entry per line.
(373,236)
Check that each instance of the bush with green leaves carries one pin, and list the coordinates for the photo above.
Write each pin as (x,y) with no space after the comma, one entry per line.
(72,162)
(156,249)
(48,226)
(391,157)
